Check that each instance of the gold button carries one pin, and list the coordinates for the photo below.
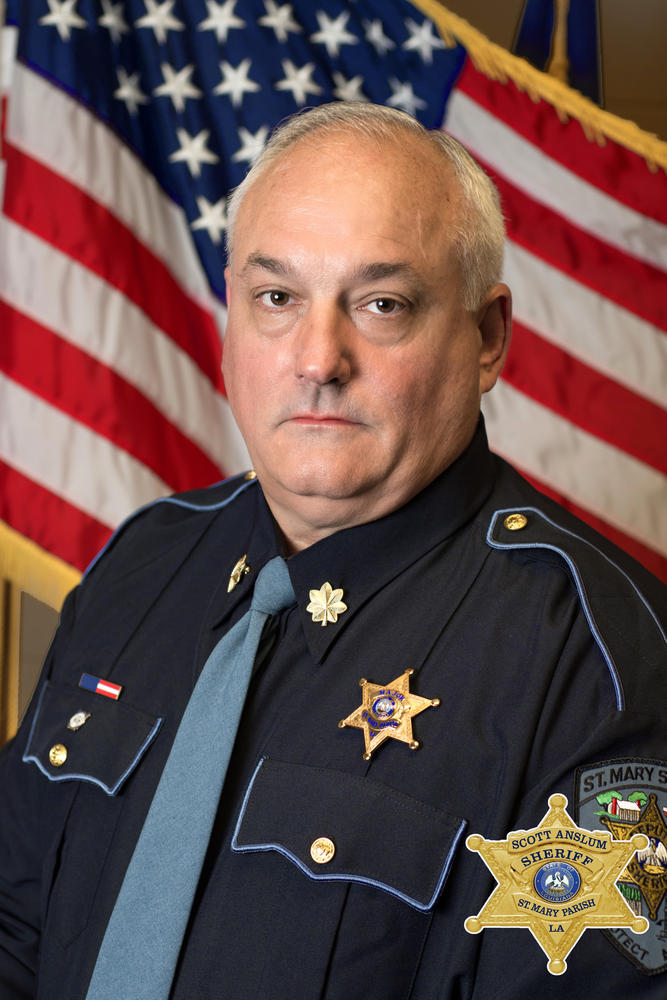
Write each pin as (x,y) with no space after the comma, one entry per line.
(250,474)
(322,850)
(515,522)
(58,755)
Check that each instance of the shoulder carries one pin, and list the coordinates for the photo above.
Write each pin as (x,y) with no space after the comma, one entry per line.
(623,604)
(171,522)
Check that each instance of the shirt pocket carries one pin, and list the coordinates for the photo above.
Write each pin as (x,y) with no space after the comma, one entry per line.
(95,743)
(78,735)
(340,827)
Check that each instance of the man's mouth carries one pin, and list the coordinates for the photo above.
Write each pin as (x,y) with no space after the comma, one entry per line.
(322,420)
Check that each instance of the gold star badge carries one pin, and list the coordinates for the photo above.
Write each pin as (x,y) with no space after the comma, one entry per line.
(557,880)
(386,711)
(326,604)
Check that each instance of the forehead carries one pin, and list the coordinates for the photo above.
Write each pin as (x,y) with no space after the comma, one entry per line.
(352,190)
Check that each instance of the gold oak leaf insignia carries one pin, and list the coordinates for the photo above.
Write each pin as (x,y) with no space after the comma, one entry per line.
(326,604)
(557,881)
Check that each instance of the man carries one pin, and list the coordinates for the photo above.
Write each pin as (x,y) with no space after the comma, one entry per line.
(491,633)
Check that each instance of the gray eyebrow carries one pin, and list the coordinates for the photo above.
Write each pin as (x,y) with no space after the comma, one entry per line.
(266,263)
(365,272)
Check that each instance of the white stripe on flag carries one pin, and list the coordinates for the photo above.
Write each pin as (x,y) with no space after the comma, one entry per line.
(548,182)
(587,325)
(66,298)
(70,460)
(8,40)
(53,128)
(596,476)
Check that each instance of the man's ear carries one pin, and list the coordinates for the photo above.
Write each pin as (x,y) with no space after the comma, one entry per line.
(494,320)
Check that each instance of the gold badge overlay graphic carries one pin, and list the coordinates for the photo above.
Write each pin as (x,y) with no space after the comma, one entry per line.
(557,880)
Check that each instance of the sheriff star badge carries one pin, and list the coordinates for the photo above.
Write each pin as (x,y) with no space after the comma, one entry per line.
(557,880)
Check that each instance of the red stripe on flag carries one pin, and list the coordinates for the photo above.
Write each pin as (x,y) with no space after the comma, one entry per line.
(48,520)
(96,396)
(618,171)
(632,284)
(65,216)
(586,397)
(652,560)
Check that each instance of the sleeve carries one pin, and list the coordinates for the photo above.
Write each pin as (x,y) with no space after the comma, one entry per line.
(31,822)
(594,734)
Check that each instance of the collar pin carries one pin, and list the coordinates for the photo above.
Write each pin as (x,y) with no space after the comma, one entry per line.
(240,570)
(326,604)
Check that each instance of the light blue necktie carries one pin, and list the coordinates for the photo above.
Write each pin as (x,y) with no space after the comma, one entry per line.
(143,938)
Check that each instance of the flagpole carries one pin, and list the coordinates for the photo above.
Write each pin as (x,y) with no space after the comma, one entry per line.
(558,64)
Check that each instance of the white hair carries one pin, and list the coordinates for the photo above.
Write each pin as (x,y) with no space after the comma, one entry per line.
(479,230)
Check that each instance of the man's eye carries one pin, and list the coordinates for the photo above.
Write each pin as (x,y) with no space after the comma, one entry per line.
(274,298)
(385,306)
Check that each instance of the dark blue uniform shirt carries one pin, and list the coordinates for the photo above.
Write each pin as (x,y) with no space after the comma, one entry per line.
(545,659)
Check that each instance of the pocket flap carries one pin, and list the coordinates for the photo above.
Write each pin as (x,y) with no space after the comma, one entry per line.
(77,735)
(379,836)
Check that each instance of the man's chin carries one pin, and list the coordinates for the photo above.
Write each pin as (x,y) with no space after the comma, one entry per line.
(318,482)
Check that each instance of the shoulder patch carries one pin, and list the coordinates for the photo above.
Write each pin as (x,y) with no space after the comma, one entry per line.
(627,796)
(603,588)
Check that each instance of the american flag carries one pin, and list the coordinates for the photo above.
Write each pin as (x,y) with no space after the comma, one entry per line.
(126,126)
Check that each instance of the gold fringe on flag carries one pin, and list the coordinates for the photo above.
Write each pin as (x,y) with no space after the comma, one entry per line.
(499,64)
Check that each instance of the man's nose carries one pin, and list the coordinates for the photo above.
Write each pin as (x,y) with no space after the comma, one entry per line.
(323,345)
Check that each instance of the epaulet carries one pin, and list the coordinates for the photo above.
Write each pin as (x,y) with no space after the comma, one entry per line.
(209,498)
(602,585)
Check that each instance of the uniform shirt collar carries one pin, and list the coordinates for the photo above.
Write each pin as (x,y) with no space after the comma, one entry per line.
(364,559)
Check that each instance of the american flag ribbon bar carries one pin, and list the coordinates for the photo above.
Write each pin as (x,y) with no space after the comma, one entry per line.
(100,686)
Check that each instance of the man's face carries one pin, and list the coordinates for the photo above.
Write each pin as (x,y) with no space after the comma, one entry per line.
(352,367)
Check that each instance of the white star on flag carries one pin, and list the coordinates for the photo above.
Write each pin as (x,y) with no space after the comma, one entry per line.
(279,19)
(376,36)
(63,16)
(333,33)
(221,19)
(212,218)
(404,97)
(160,19)
(129,91)
(348,90)
(298,80)
(235,81)
(193,150)
(112,19)
(422,39)
(177,85)
(252,144)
